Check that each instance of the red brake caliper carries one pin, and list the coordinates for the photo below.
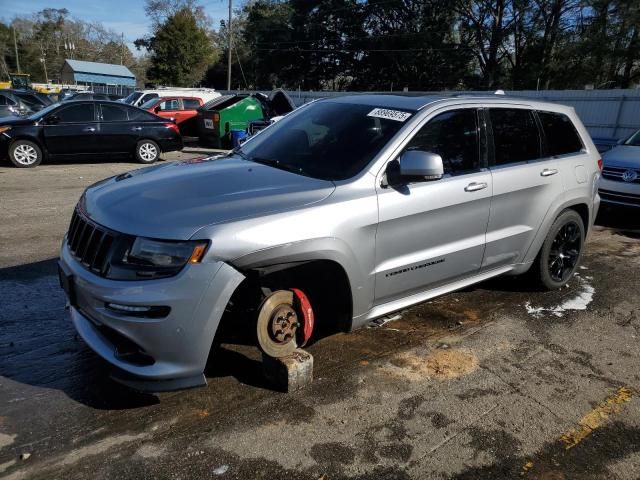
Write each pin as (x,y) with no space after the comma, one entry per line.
(303,306)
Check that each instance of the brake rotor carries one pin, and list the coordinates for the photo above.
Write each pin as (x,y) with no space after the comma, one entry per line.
(277,324)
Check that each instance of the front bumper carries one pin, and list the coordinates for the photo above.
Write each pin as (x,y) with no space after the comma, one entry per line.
(613,192)
(174,349)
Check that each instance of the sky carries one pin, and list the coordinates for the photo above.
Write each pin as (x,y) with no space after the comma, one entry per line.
(122,16)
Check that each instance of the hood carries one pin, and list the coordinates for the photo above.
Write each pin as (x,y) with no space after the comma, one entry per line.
(174,200)
(622,156)
(15,121)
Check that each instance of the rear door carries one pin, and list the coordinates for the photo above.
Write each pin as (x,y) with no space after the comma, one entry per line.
(72,130)
(433,232)
(525,184)
(117,134)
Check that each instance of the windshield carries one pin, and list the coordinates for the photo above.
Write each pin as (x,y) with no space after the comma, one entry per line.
(328,140)
(149,103)
(634,139)
(132,97)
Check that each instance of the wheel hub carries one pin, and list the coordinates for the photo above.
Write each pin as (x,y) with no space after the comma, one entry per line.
(283,323)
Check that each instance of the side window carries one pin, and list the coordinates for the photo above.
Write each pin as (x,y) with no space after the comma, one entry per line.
(454,136)
(113,113)
(140,115)
(170,105)
(4,100)
(190,103)
(77,113)
(146,97)
(515,135)
(560,134)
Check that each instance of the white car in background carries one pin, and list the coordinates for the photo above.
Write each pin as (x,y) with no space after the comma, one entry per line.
(139,97)
(620,181)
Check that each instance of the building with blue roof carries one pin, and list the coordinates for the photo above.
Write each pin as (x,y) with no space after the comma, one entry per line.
(78,72)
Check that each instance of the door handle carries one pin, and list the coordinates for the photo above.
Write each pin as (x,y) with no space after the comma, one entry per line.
(136,129)
(547,172)
(475,186)
(89,129)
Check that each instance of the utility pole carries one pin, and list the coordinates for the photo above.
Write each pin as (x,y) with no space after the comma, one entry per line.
(229,53)
(15,46)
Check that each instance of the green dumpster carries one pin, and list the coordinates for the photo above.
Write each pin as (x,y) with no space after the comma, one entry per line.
(229,112)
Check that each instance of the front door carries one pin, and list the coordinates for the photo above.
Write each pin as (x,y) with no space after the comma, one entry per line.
(433,232)
(71,130)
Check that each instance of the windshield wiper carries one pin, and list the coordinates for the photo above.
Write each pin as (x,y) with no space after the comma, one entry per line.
(239,152)
(278,164)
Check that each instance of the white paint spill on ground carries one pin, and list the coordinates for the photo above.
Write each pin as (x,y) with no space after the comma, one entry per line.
(580,301)
(221,470)
(6,440)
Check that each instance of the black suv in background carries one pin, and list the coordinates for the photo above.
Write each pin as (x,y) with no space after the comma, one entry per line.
(75,128)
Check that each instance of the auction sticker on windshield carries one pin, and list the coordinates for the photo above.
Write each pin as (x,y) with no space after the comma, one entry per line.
(396,115)
(208,123)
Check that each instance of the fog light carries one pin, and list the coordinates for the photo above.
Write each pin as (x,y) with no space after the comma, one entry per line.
(128,308)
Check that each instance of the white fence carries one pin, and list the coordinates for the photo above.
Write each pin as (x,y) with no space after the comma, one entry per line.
(606,113)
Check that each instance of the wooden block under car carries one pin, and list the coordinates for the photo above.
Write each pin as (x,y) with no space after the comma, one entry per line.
(289,373)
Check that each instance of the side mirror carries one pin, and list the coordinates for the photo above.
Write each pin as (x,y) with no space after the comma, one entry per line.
(157,109)
(52,120)
(416,163)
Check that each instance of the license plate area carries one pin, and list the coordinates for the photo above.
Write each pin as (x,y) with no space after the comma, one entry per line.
(67,284)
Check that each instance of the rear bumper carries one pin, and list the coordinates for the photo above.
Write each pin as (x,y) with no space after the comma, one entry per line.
(153,354)
(171,145)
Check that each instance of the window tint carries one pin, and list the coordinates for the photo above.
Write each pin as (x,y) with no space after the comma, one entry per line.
(453,136)
(76,113)
(114,113)
(560,134)
(515,135)
(140,115)
(190,103)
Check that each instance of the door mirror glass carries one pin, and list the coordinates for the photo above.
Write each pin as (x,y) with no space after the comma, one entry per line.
(417,163)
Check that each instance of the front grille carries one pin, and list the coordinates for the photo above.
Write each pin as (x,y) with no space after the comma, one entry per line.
(617,197)
(615,174)
(89,243)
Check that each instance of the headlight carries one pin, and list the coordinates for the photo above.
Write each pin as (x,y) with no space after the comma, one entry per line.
(145,258)
(4,129)
(154,253)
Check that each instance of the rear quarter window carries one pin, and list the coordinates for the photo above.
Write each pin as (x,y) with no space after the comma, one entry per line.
(141,115)
(560,134)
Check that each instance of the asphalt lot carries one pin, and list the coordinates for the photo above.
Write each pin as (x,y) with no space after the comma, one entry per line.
(496,381)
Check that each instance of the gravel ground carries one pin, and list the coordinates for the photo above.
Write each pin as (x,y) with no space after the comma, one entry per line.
(496,381)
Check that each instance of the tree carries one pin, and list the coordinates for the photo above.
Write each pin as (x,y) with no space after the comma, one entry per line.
(180,50)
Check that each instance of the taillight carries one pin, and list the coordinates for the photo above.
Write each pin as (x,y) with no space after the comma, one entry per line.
(600,163)
(173,127)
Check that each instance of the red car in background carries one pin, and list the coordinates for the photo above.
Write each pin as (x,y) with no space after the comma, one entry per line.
(182,110)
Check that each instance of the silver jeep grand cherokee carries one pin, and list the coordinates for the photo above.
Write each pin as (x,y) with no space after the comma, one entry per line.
(346,210)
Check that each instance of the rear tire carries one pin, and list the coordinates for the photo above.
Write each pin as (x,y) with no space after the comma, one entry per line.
(561,251)
(147,151)
(25,154)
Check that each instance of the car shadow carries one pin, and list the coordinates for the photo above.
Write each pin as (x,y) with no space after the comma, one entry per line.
(622,220)
(40,347)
